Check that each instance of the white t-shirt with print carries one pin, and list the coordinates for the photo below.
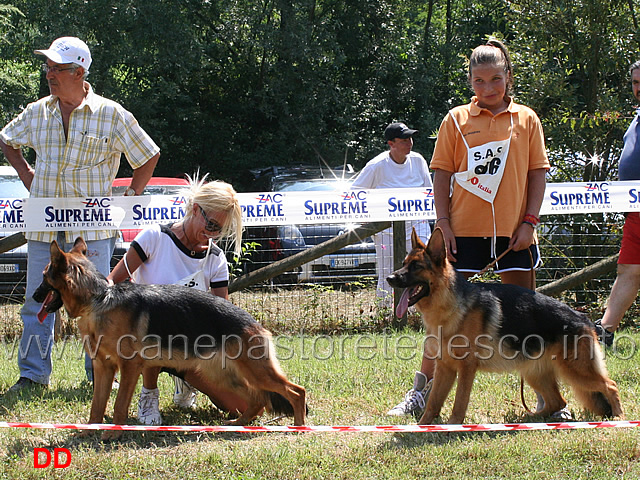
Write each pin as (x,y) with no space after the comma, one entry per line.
(165,260)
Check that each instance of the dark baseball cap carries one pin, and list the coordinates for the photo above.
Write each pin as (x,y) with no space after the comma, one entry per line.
(397,130)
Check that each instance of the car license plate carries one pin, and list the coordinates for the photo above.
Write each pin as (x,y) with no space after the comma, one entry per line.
(9,268)
(344,262)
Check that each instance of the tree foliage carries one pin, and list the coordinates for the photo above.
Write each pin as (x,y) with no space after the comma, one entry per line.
(234,85)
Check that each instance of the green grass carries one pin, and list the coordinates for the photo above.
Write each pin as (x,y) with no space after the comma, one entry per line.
(350,379)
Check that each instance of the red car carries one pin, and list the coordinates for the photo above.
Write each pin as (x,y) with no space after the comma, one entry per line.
(13,264)
(156,186)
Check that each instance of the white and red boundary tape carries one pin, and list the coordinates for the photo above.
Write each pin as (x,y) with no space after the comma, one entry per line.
(489,427)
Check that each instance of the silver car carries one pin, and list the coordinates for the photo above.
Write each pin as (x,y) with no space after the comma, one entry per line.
(349,264)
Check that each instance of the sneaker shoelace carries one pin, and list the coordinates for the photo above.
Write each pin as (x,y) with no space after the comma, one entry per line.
(414,398)
(147,404)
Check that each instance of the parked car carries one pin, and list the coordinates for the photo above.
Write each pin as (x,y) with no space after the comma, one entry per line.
(349,264)
(156,186)
(13,264)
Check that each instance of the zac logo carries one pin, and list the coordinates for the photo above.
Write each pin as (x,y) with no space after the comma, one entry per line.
(269,198)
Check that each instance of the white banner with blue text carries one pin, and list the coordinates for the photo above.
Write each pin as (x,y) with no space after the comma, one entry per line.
(283,208)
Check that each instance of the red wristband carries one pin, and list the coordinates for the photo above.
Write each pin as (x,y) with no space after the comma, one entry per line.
(531,220)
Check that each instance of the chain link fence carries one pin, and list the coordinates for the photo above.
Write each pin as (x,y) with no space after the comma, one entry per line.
(336,293)
(289,303)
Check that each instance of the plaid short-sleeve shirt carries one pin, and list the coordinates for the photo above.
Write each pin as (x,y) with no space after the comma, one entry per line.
(84,163)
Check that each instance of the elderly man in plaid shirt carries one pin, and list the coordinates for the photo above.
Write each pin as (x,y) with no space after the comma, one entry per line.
(78,138)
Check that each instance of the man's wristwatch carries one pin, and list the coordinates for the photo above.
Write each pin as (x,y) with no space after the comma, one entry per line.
(129,192)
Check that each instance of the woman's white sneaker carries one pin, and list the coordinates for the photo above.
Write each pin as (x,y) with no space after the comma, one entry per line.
(149,407)
(185,394)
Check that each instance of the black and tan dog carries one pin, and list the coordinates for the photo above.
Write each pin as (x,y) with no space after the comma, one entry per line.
(495,327)
(129,326)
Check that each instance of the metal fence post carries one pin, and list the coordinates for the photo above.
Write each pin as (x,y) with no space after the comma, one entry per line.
(399,252)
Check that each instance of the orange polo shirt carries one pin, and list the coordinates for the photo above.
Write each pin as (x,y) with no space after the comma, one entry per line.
(469,215)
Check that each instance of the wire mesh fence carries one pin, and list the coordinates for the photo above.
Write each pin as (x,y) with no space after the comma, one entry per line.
(346,301)
(337,292)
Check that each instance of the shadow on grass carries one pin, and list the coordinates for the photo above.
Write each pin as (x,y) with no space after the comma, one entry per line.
(80,393)
(207,414)
(419,439)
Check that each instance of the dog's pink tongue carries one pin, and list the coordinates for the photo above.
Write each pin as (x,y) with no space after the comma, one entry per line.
(403,303)
(42,313)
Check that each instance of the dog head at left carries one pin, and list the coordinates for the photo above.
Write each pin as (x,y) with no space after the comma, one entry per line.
(55,278)
(423,269)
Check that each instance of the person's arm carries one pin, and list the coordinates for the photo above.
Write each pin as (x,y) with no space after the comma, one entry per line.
(143,174)
(523,236)
(366,178)
(221,292)
(119,272)
(442,201)
(17,161)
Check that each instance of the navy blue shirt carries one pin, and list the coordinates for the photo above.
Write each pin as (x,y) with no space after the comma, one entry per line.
(629,165)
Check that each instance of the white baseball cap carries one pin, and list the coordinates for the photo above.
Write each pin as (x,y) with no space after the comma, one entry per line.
(68,50)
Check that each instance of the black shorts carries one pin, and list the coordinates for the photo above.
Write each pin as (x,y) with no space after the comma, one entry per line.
(474,254)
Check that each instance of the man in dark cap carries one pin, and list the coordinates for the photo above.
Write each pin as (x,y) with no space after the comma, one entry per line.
(397,167)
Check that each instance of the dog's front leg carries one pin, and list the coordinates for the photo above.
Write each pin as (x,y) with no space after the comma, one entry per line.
(442,383)
(466,375)
(130,371)
(103,375)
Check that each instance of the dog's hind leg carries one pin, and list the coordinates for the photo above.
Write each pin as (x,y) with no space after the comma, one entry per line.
(592,386)
(265,375)
(544,382)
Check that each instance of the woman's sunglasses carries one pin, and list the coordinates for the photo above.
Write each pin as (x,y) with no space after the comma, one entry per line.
(211,225)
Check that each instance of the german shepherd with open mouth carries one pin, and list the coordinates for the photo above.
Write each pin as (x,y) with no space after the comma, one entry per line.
(129,326)
(495,327)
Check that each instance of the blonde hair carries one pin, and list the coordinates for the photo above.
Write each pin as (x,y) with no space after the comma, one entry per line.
(217,196)
(493,53)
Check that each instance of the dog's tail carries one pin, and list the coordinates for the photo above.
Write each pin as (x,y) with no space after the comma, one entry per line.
(590,380)
(599,403)
(282,406)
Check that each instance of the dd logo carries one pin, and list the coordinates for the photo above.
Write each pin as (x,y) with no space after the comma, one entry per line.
(57,461)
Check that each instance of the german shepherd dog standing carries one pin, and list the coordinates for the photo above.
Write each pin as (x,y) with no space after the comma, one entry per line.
(495,327)
(129,326)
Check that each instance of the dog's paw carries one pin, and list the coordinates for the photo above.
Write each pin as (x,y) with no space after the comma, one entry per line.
(84,433)
(426,420)
(110,435)
(235,422)
(455,420)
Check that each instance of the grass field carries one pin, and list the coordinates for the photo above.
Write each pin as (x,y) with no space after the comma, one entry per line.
(351,380)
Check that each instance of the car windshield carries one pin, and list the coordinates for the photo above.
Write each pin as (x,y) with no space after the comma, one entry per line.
(310,185)
(152,189)
(12,187)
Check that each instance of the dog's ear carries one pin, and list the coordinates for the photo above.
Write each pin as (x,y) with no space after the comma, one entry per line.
(436,248)
(58,259)
(415,240)
(80,246)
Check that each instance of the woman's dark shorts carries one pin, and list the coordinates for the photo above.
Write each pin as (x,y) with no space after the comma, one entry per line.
(474,254)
